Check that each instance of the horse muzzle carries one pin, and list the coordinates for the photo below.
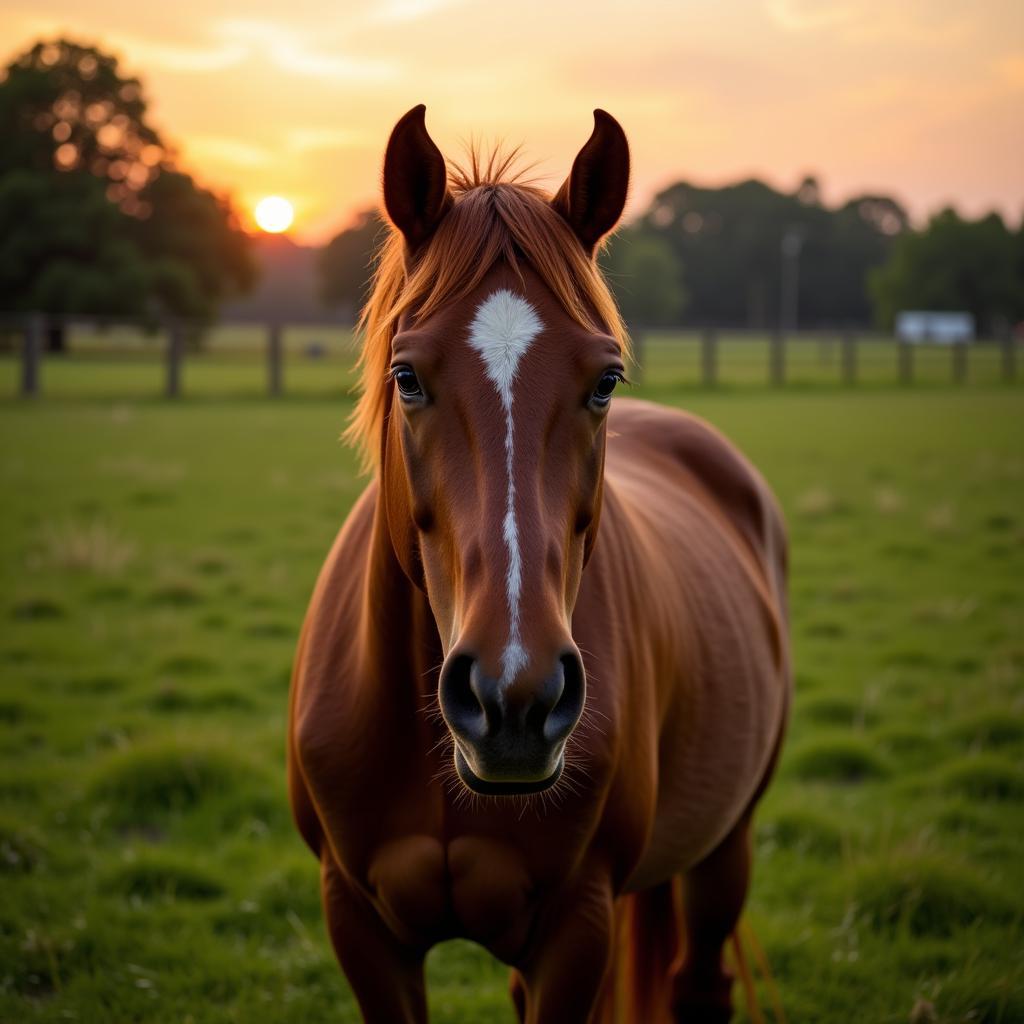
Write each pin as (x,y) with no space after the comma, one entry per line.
(510,735)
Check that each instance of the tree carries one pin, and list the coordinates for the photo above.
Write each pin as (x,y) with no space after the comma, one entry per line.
(728,242)
(94,217)
(953,264)
(840,248)
(65,107)
(345,264)
(646,276)
(63,248)
(198,253)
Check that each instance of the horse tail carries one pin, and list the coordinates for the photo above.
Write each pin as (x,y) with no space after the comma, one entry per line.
(647,951)
(746,976)
(650,941)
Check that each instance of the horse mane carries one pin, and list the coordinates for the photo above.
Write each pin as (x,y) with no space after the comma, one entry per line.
(497,214)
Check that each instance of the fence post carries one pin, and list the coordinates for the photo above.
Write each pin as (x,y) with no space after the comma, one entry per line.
(709,357)
(31,354)
(175,353)
(959,362)
(778,357)
(848,343)
(1009,346)
(906,354)
(275,360)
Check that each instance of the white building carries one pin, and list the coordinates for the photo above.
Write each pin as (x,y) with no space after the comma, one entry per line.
(918,326)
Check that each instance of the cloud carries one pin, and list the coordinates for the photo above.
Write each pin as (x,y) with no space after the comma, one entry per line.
(146,53)
(688,76)
(409,10)
(246,155)
(294,51)
(913,23)
(807,15)
(306,140)
(227,150)
(227,43)
(139,51)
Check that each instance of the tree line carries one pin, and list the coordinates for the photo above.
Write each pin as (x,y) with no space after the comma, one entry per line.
(717,256)
(97,217)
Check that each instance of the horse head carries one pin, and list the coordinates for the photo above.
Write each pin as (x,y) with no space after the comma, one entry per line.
(503,348)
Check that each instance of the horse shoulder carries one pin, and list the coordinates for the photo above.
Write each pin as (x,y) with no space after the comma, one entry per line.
(716,467)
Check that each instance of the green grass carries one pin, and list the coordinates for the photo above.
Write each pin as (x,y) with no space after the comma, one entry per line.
(156,561)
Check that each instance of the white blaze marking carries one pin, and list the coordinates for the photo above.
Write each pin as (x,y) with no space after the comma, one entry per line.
(502,330)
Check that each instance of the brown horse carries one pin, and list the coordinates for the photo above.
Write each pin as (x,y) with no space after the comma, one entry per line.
(544,677)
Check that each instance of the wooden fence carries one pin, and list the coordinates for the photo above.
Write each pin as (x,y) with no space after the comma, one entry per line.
(849,345)
(33,332)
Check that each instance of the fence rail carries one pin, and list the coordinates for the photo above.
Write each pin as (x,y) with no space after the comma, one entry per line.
(701,357)
(170,342)
(777,348)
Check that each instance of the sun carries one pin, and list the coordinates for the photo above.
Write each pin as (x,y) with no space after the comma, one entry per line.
(274,214)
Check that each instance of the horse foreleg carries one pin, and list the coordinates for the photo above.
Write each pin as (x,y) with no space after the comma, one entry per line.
(386,976)
(563,973)
(714,892)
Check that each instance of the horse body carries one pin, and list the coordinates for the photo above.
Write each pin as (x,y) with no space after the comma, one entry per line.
(702,537)
(673,580)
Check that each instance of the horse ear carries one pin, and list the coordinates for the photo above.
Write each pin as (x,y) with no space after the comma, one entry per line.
(416,194)
(594,194)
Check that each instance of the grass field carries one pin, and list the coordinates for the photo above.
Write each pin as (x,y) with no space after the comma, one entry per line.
(156,560)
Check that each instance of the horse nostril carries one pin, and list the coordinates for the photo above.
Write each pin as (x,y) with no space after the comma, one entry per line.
(546,699)
(484,714)
(488,696)
(568,705)
(461,704)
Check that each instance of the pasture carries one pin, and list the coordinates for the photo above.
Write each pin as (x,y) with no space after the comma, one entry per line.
(156,561)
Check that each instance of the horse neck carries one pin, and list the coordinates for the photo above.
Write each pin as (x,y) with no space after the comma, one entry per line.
(400,638)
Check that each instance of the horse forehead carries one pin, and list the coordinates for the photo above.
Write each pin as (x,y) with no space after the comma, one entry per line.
(504,326)
(508,318)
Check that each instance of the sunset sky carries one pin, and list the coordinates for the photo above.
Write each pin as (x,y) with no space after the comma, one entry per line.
(924,100)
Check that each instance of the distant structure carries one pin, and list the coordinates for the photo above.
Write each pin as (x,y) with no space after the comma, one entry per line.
(286,288)
(917,326)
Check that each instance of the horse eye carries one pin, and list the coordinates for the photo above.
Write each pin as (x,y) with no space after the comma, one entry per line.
(407,382)
(605,387)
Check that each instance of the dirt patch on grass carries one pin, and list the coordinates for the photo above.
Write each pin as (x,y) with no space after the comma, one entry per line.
(95,547)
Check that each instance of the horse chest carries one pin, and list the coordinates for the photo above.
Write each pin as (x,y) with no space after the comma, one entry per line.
(490,891)
(472,887)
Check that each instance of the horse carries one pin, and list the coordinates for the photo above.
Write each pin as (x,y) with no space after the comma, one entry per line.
(544,675)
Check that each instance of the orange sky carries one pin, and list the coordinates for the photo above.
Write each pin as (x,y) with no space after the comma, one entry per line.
(921,98)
